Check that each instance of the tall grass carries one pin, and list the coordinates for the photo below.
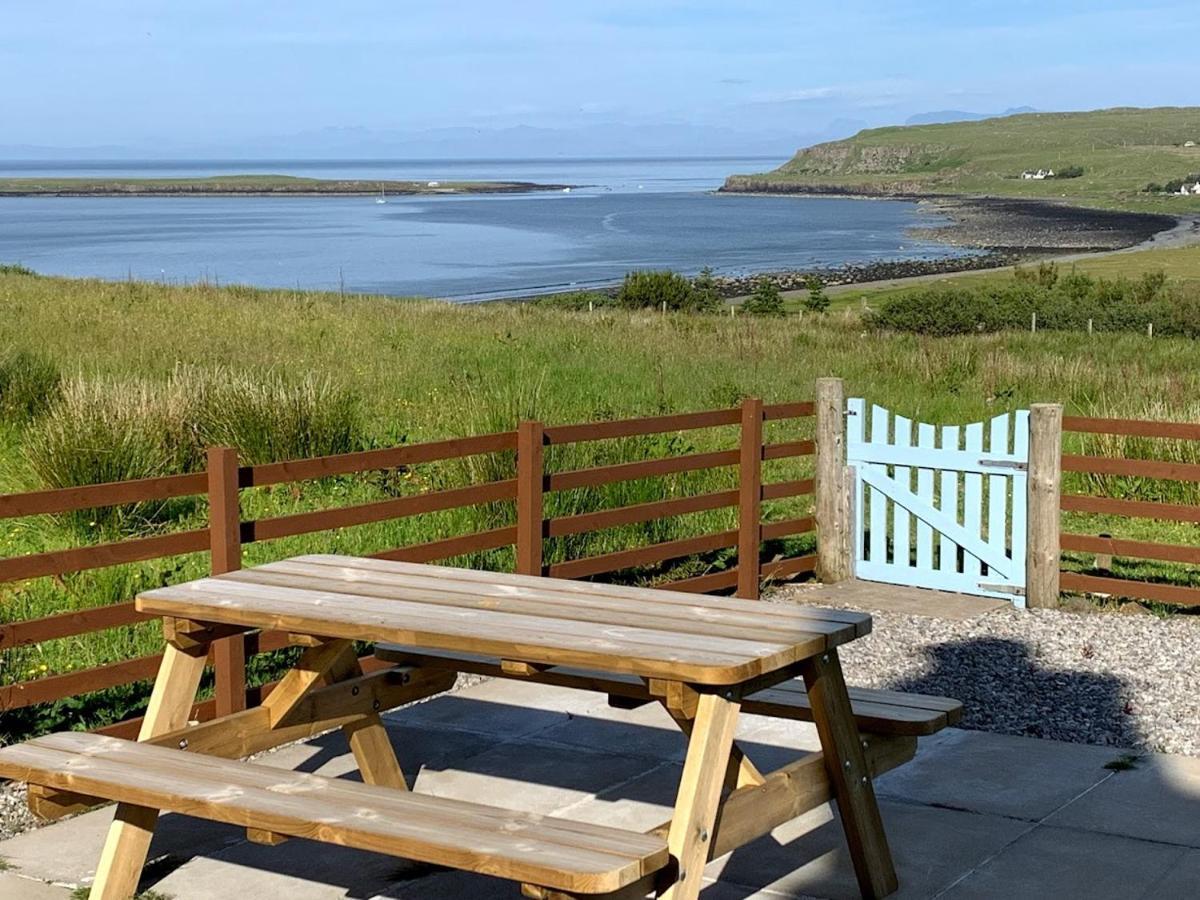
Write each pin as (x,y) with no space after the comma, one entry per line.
(29,384)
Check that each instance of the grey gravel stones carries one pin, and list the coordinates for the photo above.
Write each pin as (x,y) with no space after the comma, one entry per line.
(1118,680)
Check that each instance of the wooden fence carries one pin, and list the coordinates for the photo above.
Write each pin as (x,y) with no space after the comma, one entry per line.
(227,533)
(1105,547)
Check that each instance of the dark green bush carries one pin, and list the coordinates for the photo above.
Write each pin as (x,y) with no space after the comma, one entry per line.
(15,269)
(650,290)
(705,296)
(29,383)
(1069,172)
(1061,303)
(816,300)
(766,299)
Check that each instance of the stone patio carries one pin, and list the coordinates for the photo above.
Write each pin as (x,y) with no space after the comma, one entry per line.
(974,815)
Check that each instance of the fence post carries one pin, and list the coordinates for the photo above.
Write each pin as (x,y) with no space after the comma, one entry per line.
(750,500)
(1045,489)
(225,541)
(530,515)
(832,512)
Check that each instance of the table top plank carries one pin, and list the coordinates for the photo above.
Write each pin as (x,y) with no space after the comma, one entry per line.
(700,620)
(677,637)
(558,586)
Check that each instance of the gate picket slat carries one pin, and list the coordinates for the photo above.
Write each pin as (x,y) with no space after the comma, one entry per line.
(1020,488)
(947,549)
(878,521)
(855,413)
(973,497)
(925,440)
(901,521)
(998,488)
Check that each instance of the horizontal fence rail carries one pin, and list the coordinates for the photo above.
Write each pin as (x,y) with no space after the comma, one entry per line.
(1103,547)
(228,532)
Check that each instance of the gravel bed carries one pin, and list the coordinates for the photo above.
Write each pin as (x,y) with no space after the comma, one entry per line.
(15,817)
(1096,678)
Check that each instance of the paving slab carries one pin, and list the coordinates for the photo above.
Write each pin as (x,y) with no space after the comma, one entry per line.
(1158,801)
(67,852)
(1063,862)
(17,887)
(1182,880)
(295,870)
(502,707)
(542,778)
(872,596)
(998,774)
(932,848)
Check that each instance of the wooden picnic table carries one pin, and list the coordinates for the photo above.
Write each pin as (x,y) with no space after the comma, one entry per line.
(698,656)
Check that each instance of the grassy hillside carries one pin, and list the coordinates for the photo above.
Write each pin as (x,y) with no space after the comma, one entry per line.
(1120,152)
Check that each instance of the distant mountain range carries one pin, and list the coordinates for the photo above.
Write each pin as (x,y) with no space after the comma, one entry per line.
(613,139)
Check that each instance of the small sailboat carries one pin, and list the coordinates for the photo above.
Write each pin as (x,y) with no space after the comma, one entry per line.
(382,198)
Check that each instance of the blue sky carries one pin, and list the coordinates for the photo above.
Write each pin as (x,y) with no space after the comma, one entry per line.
(141,73)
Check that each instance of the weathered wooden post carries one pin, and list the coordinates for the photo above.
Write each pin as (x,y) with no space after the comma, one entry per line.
(225,542)
(531,439)
(1045,490)
(750,499)
(832,497)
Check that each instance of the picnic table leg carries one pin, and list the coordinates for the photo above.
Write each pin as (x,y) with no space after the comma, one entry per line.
(128,842)
(704,773)
(740,772)
(369,741)
(848,772)
(332,661)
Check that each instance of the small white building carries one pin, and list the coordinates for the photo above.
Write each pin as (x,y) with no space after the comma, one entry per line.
(1189,143)
(1039,175)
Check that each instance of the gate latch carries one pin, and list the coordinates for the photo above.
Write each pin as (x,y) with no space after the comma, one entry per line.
(1005,464)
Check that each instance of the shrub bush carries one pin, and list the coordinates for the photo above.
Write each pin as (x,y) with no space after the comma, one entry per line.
(1062,303)
(766,299)
(650,290)
(15,269)
(29,384)
(705,296)
(816,300)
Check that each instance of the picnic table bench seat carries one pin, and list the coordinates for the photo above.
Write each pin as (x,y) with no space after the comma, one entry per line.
(876,711)
(557,854)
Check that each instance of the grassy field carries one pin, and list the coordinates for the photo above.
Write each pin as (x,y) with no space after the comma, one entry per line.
(144,366)
(249,184)
(1120,151)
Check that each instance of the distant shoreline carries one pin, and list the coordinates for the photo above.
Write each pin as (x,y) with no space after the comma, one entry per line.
(257,186)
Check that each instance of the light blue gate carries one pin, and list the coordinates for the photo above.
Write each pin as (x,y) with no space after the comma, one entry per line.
(946,510)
